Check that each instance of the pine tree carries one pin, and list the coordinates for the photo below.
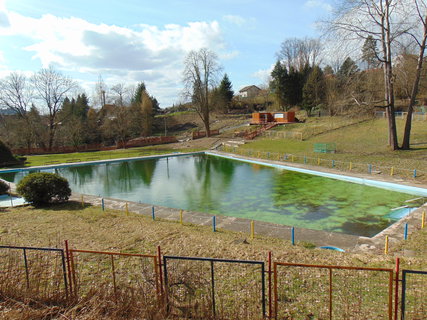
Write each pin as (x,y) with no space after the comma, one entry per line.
(314,90)
(370,52)
(348,69)
(278,84)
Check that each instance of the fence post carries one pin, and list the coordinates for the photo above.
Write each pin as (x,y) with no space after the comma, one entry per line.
(270,302)
(370,168)
(67,254)
(153,216)
(423,219)
(333,163)
(396,290)
(180,217)
(82,201)
(293,236)
(102,204)
(386,245)
(405,232)
(159,259)
(305,159)
(252,229)
(214,224)
(415,173)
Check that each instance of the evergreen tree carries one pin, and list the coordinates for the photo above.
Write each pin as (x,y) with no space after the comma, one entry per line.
(278,85)
(140,89)
(348,69)
(314,90)
(370,52)
(226,89)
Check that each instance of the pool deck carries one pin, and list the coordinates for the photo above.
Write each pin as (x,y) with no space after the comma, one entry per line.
(319,238)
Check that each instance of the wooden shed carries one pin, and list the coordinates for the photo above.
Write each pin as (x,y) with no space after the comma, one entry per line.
(273,117)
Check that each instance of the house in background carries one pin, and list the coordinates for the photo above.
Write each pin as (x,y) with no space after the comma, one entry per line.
(249,92)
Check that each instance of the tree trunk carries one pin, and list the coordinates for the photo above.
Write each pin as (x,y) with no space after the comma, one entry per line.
(408,125)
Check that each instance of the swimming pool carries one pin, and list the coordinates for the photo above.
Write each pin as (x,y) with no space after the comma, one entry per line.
(223,186)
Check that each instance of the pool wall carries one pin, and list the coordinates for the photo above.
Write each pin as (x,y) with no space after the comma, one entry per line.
(374,183)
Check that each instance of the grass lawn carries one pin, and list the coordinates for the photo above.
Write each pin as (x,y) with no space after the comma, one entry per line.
(91,228)
(363,143)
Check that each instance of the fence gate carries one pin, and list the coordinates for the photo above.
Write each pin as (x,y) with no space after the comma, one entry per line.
(230,289)
(119,275)
(37,272)
(332,292)
(414,293)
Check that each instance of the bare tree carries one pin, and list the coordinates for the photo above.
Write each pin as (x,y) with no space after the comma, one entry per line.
(380,20)
(420,8)
(297,53)
(16,94)
(51,88)
(200,71)
(121,94)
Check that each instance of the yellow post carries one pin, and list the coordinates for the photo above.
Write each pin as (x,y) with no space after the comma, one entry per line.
(318,161)
(392,171)
(258,154)
(423,220)
(350,166)
(252,230)
(82,201)
(180,216)
(293,158)
(386,245)
(126,209)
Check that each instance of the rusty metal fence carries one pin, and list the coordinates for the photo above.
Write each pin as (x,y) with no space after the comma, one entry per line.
(116,275)
(34,272)
(414,293)
(192,287)
(218,288)
(332,292)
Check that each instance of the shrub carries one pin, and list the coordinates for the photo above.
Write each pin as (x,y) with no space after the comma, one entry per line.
(6,156)
(43,188)
(4,187)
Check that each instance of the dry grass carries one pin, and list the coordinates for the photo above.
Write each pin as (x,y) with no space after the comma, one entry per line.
(91,228)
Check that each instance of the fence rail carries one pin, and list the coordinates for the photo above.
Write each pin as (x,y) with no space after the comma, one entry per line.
(302,291)
(197,287)
(414,292)
(330,163)
(192,288)
(39,272)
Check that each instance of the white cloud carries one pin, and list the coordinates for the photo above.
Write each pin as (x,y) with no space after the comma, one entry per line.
(235,19)
(143,53)
(318,4)
(263,75)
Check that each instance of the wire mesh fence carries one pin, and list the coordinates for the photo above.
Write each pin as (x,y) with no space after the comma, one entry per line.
(332,292)
(218,288)
(348,166)
(119,276)
(39,273)
(414,293)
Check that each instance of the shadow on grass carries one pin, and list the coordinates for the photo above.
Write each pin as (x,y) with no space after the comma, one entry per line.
(69,205)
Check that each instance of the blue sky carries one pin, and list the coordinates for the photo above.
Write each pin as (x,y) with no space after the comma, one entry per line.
(129,41)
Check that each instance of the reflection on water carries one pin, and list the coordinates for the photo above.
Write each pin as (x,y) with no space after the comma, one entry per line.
(229,187)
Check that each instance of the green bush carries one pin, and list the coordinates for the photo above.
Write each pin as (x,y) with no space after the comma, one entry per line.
(6,156)
(42,188)
(4,187)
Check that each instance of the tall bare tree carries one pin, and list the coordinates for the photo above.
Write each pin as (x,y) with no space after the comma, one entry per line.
(420,8)
(378,20)
(51,88)
(200,71)
(297,53)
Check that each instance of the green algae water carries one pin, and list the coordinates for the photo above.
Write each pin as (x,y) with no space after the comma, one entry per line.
(233,188)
